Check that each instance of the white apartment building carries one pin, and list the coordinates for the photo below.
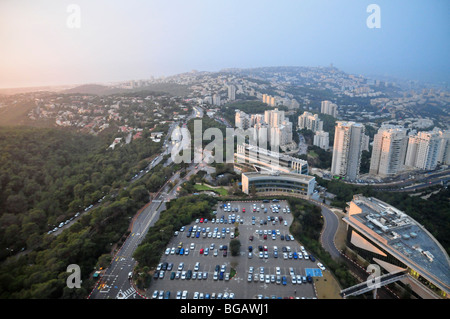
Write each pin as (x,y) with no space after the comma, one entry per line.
(349,138)
(389,150)
(322,140)
(310,121)
(241,120)
(231,92)
(327,107)
(444,154)
(216,99)
(271,129)
(424,150)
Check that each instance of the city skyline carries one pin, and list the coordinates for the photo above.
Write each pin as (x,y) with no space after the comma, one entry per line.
(62,43)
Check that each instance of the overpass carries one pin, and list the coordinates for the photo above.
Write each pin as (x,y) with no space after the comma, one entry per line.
(375,283)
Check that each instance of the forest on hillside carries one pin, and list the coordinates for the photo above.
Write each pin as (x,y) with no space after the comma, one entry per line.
(47,176)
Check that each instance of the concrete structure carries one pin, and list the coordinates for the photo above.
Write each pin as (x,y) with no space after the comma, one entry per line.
(329,108)
(279,128)
(322,139)
(260,159)
(444,154)
(216,100)
(310,121)
(231,92)
(391,239)
(241,120)
(276,182)
(349,140)
(269,100)
(388,152)
(423,150)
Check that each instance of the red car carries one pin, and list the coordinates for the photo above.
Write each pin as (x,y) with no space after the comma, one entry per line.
(251,238)
(201,220)
(201,251)
(243,210)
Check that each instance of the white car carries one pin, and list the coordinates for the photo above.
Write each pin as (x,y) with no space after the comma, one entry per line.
(320,266)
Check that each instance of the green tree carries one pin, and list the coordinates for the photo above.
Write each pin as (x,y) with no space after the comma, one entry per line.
(235,246)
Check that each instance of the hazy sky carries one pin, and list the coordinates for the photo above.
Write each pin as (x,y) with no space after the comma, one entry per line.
(123,40)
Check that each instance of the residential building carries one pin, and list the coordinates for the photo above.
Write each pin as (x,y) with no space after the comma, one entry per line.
(322,140)
(349,140)
(327,107)
(231,92)
(424,150)
(444,154)
(309,121)
(216,99)
(252,157)
(241,120)
(389,151)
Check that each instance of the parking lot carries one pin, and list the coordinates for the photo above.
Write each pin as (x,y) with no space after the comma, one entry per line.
(274,267)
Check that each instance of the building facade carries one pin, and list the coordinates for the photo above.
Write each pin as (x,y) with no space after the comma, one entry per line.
(388,152)
(322,140)
(424,150)
(327,107)
(277,182)
(310,121)
(349,139)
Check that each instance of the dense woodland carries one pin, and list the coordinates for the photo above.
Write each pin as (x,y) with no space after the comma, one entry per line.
(48,175)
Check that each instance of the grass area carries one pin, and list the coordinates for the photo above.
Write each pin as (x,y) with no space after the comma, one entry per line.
(313,154)
(220,190)
(327,286)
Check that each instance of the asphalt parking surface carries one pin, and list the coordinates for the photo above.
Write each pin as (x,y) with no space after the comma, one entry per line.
(238,286)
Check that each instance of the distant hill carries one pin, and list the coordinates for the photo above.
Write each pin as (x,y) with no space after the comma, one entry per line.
(96,89)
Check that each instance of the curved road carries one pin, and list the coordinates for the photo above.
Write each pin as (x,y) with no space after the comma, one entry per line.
(329,230)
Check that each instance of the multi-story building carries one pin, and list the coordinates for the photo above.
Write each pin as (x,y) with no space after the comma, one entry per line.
(389,238)
(388,152)
(216,100)
(327,107)
(278,183)
(269,100)
(444,154)
(309,121)
(231,92)
(241,120)
(279,128)
(251,157)
(322,139)
(424,150)
(349,139)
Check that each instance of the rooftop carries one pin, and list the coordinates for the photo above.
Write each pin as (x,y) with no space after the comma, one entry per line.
(278,174)
(405,238)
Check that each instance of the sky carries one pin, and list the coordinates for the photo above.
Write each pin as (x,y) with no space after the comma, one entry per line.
(47,42)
